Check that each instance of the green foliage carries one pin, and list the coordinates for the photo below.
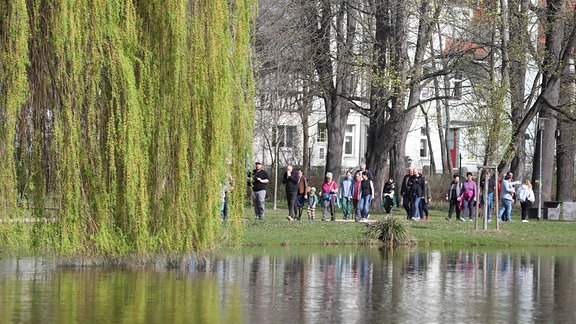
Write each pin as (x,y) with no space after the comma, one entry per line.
(391,231)
(150,107)
(14,33)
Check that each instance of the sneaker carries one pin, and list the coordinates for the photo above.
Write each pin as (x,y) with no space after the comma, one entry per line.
(471,220)
(447,218)
(427,217)
(462,219)
(416,219)
(489,220)
(525,221)
(289,218)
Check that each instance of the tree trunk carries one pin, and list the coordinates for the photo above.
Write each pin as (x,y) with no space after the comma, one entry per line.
(566,147)
(565,152)
(554,45)
(305,110)
(518,9)
(336,82)
(389,126)
(445,156)
(432,163)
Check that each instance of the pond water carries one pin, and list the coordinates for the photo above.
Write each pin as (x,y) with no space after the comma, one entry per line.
(301,285)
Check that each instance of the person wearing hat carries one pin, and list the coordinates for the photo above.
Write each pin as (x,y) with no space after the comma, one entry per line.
(258,179)
(312,202)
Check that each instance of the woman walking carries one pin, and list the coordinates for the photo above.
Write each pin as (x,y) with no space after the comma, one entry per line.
(367,192)
(468,199)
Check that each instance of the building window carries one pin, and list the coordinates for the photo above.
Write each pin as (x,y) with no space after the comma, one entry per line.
(322,154)
(322,135)
(349,140)
(423,147)
(457,90)
(285,135)
(423,131)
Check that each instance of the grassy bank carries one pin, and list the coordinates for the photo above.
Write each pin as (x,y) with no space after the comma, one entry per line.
(276,230)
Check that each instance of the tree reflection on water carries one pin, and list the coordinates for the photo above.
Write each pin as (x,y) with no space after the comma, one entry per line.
(301,285)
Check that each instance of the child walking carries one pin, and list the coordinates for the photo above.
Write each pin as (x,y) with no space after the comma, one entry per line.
(312,202)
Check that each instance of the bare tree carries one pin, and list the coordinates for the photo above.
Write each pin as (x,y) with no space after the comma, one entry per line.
(333,22)
(391,111)
(517,57)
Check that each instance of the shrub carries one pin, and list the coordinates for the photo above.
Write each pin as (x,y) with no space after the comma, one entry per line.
(391,232)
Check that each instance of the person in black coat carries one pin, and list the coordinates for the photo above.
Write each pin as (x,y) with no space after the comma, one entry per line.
(416,193)
(290,179)
(405,193)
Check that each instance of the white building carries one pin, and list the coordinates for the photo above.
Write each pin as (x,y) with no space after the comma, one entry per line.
(290,138)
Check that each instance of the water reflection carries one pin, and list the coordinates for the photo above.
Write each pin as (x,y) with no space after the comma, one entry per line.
(301,285)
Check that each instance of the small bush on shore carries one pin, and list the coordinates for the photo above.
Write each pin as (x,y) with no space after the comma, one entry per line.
(391,231)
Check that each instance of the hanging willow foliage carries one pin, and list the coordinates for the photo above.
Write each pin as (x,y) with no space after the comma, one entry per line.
(126,118)
(13,91)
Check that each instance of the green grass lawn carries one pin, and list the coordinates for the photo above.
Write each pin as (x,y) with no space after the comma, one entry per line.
(437,232)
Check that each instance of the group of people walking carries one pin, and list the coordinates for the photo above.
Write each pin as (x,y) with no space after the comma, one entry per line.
(355,193)
(462,197)
(416,196)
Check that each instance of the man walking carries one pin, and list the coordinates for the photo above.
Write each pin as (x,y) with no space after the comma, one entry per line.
(368,173)
(453,196)
(405,193)
(258,180)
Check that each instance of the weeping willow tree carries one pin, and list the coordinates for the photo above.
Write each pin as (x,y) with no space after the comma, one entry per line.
(125,117)
(14,33)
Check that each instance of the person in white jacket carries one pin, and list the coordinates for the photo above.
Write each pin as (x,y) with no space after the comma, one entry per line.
(526,197)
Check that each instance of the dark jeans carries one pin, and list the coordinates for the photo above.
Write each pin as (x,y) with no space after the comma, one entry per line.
(406,205)
(357,214)
(424,208)
(300,202)
(454,205)
(291,199)
(388,203)
(525,206)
